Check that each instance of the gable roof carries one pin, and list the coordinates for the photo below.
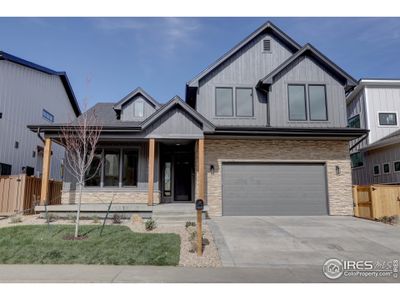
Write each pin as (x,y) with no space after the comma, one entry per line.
(173,103)
(308,49)
(293,45)
(135,92)
(390,139)
(63,76)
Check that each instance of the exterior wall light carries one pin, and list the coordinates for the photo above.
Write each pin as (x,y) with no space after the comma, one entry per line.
(212,169)
(338,171)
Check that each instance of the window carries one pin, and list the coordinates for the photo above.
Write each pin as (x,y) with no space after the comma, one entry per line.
(224,102)
(354,122)
(396,166)
(139,109)
(16,145)
(93,174)
(167,179)
(386,168)
(111,167)
(5,169)
(317,102)
(244,102)
(129,167)
(376,170)
(1,115)
(356,160)
(48,116)
(266,45)
(388,119)
(297,102)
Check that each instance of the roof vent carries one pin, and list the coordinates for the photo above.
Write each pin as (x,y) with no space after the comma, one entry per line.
(266,45)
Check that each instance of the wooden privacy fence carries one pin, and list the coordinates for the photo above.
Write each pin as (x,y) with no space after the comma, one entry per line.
(20,193)
(376,201)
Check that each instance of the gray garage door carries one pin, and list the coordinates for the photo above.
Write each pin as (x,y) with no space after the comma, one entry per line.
(273,189)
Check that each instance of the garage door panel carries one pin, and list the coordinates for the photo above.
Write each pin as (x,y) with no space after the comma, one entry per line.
(274,189)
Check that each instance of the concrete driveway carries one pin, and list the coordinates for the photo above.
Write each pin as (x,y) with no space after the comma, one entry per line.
(302,241)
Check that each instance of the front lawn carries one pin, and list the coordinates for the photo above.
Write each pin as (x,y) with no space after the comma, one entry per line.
(118,245)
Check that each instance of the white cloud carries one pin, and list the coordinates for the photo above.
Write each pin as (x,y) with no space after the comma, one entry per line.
(166,34)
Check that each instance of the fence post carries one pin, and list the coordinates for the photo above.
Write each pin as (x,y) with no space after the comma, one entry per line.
(372,200)
(355,201)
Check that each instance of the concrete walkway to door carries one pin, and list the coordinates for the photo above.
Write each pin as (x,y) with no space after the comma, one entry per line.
(302,241)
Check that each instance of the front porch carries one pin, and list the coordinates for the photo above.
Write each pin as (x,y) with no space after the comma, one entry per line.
(135,176)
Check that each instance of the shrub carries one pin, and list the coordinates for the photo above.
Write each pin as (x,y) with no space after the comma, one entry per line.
(150,224)
(96,219)
(116,219)
(190,224)
(52,217)
(71,218)
(16,219)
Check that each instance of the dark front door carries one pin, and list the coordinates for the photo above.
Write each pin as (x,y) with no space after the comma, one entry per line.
(182,178)
(177,173)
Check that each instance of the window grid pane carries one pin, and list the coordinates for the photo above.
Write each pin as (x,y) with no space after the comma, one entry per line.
(397,166)
(317,99)
(244,102)
(224,102)
(297,103)
(93,174)
(139,108)
(354,122)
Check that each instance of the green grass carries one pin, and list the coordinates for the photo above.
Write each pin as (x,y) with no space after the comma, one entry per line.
(118,245)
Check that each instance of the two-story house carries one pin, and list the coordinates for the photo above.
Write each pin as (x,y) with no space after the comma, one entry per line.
(30,94)
(375,105)
(262,131)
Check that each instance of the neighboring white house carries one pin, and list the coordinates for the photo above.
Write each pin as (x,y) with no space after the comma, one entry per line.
(375,105)
(31,94)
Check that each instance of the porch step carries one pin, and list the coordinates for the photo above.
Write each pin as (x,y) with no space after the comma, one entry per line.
(174,213)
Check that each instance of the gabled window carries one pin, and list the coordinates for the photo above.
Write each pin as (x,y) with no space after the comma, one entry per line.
(139,109)
(396,166)
(386,168)
(48,116)
(356,160)
(224,102)
(244,102)
(297,102)
(317,102)
(388,119)
(376,170)
(354,122)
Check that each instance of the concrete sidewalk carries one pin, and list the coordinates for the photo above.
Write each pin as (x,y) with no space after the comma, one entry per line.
(152,274)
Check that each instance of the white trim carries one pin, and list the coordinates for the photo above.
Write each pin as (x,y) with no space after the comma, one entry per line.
(383,169)
(373,169)
(388,112)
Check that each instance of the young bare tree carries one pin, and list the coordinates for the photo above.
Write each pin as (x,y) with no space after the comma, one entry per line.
(80,138)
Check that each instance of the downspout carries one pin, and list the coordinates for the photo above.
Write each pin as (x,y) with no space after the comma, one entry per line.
(260,88)
(39,136)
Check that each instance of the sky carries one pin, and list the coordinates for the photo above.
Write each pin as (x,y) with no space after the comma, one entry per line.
(106,58)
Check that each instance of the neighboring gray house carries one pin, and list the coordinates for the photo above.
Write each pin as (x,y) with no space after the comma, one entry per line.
(30,93)
(262,131)
(375,105)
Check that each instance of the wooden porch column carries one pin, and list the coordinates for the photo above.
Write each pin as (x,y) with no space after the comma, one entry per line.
(44,193)
(151,172)
(201,169)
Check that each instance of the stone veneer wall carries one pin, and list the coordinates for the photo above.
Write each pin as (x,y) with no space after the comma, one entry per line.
(333,153)
(105,196)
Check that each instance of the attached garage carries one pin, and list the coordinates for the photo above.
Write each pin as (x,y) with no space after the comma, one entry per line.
(274,189)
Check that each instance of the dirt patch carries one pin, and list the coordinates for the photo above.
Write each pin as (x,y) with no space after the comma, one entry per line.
(71,237)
